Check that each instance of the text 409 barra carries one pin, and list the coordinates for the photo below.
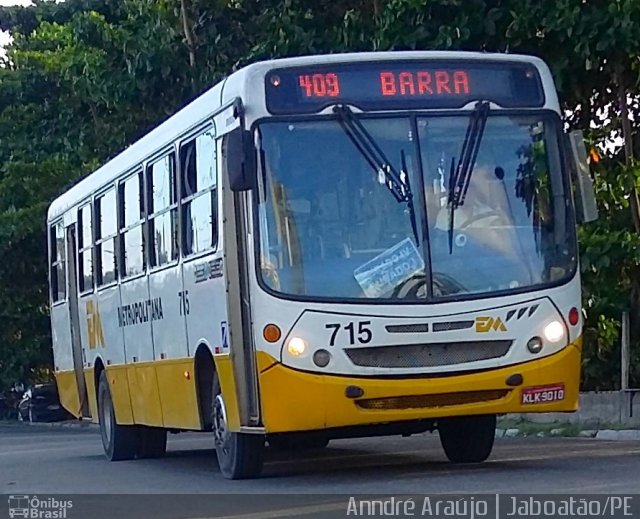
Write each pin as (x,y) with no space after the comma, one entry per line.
(422,82)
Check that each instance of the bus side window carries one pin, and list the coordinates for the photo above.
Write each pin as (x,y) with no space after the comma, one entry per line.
(106,235)
(131,210)
(57,263)
(85,249)
(199,190)
(163,210)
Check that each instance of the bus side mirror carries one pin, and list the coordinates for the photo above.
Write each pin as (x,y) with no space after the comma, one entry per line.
(240,155)
(586,207)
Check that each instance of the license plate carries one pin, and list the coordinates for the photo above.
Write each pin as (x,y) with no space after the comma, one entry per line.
(542,394)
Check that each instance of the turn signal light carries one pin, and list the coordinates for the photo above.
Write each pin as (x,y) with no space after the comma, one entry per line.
(574,316)
(271,333)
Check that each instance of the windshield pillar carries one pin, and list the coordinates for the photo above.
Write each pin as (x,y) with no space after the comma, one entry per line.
(424,220)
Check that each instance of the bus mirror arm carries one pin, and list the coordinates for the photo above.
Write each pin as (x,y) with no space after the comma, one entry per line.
(587,209)
(240,156)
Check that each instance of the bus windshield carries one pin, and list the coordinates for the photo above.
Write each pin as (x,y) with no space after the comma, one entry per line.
(331,227)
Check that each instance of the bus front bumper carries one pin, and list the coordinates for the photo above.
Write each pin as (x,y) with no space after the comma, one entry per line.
(300,401)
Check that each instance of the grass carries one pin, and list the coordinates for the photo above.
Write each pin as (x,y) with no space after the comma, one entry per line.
(527,428)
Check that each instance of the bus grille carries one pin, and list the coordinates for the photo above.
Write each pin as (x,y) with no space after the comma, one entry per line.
(407,328)
(427,355)
(436,400)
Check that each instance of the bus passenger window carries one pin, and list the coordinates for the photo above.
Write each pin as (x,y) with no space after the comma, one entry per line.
(106,237)
(199,190)
(57,263)
(85,249)
(132,260)
(163,214)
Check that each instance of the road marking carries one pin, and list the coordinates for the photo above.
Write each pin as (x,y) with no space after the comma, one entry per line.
(488,464)
(286,512)
(52,448)
(572,454)
(339,457)
(624,451)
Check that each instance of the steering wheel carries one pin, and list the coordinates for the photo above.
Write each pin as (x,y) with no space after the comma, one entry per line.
(410,287)
(481,216)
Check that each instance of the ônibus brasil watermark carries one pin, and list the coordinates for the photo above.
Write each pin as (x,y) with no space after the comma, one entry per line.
(33,507)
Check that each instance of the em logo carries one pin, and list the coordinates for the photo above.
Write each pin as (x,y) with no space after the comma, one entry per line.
(486,324)
(94,326)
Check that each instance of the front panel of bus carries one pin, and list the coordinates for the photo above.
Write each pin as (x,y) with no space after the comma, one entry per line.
(414,250)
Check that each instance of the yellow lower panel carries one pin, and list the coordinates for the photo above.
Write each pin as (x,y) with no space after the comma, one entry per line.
(90,381)
(224,369)
(297,401)
(119,387)
(178,396)
(68,391)
(145,396)
(151,393)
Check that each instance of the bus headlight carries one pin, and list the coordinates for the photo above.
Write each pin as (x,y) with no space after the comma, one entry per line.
(321,358)
(296,346)
(554,331)
(534,345)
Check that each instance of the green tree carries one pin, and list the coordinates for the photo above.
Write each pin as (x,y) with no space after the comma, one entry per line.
(84,78)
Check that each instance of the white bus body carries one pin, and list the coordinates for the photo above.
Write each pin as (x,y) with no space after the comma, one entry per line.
(164,319)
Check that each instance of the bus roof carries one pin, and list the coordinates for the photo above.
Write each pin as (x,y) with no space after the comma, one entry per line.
(237,85)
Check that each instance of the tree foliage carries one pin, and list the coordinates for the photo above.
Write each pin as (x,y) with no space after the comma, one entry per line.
(83,78)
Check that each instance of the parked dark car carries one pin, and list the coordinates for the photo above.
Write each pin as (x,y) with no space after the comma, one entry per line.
(41,404)
(5,407)
(9,402)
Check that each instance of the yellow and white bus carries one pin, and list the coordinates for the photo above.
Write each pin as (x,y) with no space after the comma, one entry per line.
(326,247)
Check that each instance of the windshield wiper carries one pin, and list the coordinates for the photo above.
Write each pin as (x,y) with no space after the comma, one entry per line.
(396,181)
(460,173)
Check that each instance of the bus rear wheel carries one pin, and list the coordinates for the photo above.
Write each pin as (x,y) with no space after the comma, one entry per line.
(152,442)
(467,439)
(120,442)
(240,456)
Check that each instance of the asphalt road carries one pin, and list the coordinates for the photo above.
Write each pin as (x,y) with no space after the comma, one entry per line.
(42,460)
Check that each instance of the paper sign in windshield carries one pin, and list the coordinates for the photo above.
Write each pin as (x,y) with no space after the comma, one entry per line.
(388,270)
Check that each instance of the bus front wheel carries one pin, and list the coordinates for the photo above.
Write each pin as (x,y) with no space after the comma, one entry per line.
(467,439)
(120,442)
(240,456)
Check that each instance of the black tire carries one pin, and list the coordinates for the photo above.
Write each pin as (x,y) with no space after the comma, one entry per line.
(152,442)
(120,442)
(291,442)
(467,439)
(240,456)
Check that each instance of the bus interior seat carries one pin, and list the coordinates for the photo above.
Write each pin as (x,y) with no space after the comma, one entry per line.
(329,227)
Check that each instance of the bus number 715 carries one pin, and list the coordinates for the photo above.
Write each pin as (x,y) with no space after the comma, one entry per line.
(363,335)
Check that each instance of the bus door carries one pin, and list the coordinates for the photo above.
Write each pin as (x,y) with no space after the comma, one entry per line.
(74,319)
(237,211)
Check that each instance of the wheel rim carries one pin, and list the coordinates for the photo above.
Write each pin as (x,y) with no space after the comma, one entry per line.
(105,420)
(220,430)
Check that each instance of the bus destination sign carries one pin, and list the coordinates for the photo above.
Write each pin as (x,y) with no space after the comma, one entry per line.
(403,85)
